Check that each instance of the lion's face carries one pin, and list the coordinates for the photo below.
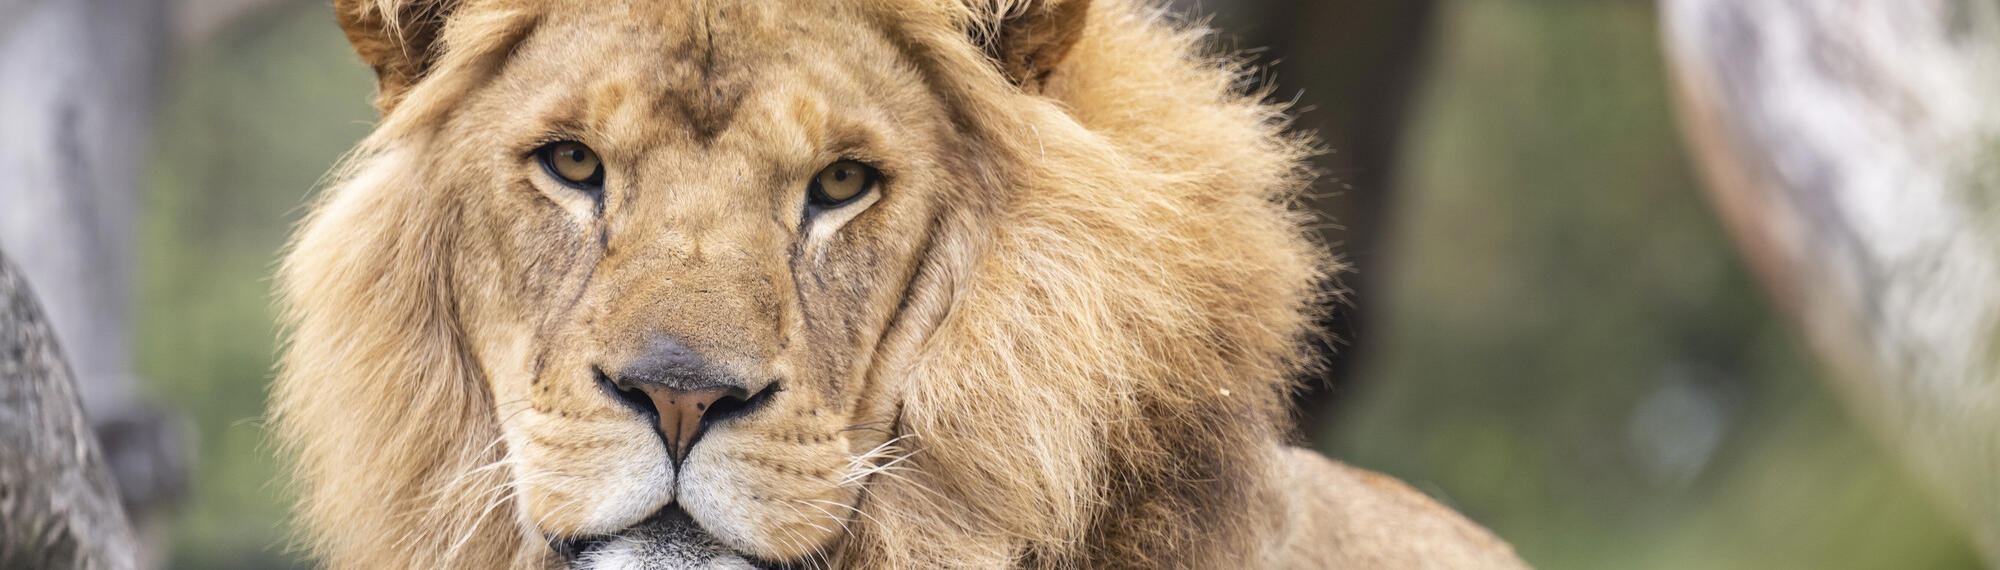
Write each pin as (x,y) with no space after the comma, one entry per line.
(706,222)
(841,283)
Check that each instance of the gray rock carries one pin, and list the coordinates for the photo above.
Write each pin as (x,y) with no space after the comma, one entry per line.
(59,507)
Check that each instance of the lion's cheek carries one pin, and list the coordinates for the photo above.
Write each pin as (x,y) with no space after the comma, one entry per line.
(777,501)
(571,484)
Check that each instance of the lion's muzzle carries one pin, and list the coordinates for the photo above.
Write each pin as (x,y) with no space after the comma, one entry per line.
(682,392)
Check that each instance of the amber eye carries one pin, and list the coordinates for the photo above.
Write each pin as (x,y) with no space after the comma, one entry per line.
(842,182)
(573,164)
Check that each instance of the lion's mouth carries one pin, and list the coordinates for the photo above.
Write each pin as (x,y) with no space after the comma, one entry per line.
(668,540)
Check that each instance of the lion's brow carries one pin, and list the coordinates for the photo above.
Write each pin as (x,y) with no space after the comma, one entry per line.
(708,89)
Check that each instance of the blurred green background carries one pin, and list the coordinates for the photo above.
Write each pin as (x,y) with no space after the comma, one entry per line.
(1563,344)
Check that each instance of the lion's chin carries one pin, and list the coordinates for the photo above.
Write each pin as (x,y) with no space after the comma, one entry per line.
(669,540)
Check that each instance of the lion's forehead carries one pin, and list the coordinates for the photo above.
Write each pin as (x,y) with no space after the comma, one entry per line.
(692,71)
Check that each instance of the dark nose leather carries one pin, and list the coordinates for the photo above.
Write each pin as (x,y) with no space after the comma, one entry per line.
(680,389)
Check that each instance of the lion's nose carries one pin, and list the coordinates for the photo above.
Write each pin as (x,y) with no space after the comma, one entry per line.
(681,412)
(681,391)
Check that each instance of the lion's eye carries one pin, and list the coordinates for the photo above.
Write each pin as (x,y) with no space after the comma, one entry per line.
(842,182)
(573,164)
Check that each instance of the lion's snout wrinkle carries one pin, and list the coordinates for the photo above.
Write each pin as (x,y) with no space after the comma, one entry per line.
(667,363)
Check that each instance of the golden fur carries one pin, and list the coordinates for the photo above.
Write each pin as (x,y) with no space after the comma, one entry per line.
(1060,337)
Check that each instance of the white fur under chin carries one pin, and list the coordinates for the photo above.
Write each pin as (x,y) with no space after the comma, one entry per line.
(670,541)
(629,554)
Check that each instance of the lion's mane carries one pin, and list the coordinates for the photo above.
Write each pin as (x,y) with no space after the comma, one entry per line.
(1103,384)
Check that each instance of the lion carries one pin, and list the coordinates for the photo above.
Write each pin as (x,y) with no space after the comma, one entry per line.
(833,284)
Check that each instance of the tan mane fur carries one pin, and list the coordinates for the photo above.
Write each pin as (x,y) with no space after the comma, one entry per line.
(1103,374)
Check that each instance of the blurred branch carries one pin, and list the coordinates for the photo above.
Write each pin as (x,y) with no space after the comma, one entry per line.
(58,508)
(1853,150)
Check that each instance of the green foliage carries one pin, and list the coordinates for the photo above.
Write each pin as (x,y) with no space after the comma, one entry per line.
(1572,352)
(254,120)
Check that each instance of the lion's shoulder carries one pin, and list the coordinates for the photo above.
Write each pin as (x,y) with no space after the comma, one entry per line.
(1346,517)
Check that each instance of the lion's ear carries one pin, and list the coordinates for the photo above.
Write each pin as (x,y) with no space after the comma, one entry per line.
(396,37)
(1031,37)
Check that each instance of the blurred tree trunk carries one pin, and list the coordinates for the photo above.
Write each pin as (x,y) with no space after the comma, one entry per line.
(1355,67)
(58,506)
(1853,149)
(78,95)
(81,78)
